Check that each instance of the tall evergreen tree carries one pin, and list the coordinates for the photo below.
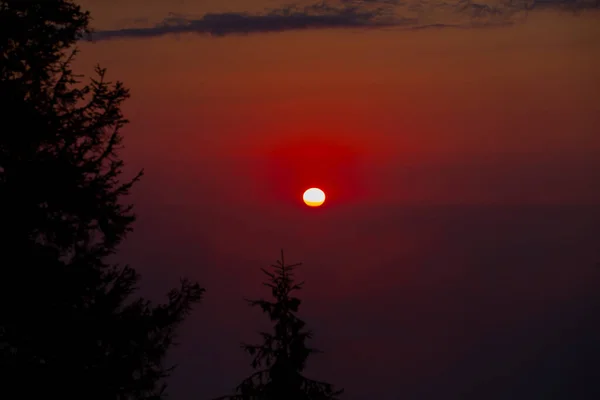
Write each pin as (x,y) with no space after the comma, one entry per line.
(280,360)
(69,325)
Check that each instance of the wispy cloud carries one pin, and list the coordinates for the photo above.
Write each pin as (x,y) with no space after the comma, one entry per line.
(360,14)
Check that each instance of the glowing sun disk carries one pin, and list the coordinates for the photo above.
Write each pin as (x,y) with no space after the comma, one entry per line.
(314,197)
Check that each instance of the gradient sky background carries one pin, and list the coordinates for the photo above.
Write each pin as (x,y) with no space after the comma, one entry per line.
(459,147)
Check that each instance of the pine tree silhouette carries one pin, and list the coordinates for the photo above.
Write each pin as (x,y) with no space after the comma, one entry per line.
(69,325)
(281,358)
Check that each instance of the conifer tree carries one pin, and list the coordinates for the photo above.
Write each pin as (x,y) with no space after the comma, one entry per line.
(70,325)
(280,359)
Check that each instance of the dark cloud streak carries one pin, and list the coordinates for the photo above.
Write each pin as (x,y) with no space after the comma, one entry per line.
(350,14)
(230,23)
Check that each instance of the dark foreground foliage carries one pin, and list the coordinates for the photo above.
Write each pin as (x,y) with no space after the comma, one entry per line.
(70,325)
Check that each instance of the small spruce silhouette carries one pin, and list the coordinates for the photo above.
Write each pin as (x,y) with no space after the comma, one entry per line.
(280,360)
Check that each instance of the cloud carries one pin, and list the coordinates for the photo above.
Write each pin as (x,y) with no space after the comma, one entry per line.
(354,14)
(320,15)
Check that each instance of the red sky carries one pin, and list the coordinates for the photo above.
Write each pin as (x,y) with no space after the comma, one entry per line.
(461,168)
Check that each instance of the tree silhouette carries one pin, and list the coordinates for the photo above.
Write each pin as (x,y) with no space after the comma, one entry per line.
(281,358)
(69,325)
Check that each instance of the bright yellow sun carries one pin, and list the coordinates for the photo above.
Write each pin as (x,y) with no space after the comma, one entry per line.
(314,197)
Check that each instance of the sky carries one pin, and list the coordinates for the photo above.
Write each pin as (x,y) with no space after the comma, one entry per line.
(458,146)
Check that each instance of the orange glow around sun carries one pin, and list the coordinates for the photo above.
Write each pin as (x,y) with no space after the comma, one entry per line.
(314,197)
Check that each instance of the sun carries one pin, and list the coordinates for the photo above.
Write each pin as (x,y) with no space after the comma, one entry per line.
(314,197)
